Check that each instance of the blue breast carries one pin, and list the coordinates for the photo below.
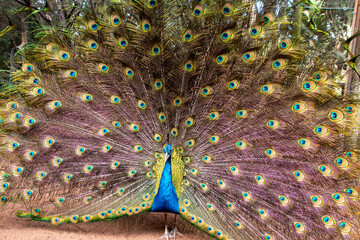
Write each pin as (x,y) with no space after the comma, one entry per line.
(166,199)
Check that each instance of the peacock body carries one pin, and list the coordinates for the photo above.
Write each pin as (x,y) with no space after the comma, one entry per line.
(260,144)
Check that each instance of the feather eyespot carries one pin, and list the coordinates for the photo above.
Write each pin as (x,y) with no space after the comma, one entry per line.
(13,145)
(206,91)
(67,177)
(299,175)
(299,107)
(198,11)
(55,104)
(51,47)
(187,160)
(267,18)
(204,187)
(157,137)
(180,149)
(71,73)
(88,168)
(80,150)
(3,200)
(129,72)
(189,122)
(263,213)
(241,113)
(188,36)
(29,154)
(114,164)
(103,68)
(304,143)
(336,115)
(102,185)
(328,221)
(56,161)
(86,97)
(115,99)
(134,127)
(155,50)
(34,80)
(317,200)
(116,124)
(267,88)
(11,106)
(226,35)
(146,26)
(92,45)
(249,56)
(189,66)
(241,144)
(141,104)
(213,116)
(227,9)
(342,163)
(138,148)
(115,20)
(158,84)
(190,143)
(270,152)
(352,193)
(63,55)
(221,59)
(278,64)
(48,142)
(233,85)
(38,91)
(123,43)
(247,196)
(320,76)
(285,44)
(339,198)
(131,172)
(152,3)
(234,170)
(162,117)
(325,170)
(345,227)
(259,179)
(27,68)
(321,130)
(93,26)
(309,86)
(27,194)
(29,121)
(103,131)
(174,132)
(255,31)
(273,124)
(207,158)
(41,175)
(351,109)
(284,200)
(214,139)
(299,227)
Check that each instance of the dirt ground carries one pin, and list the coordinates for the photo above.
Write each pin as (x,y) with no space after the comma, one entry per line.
(148,226)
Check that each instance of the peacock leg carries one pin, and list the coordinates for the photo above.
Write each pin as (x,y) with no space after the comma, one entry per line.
(175,231)
(166,234)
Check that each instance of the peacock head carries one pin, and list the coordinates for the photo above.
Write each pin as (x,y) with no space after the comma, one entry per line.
(168,149)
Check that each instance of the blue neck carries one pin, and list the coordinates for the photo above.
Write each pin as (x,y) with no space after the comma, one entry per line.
(166,199)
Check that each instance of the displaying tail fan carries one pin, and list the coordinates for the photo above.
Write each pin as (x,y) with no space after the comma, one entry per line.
(261,144)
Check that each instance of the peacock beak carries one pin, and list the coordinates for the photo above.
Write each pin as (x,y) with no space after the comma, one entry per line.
(167,156)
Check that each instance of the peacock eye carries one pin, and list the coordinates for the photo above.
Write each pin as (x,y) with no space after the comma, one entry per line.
(206,91)
(155,50)
(279,64)
(221,59)
(174,132)
(299,175)
(189,66)
(123,42)
(299,107)
(146,26)
(198,11)
(38,91)
(141,104)
(299,227)
(86,97)
(213,116)
(255,31)
(63,55)
(227,9)
(336,115)
(316,200)
(325,170)
(226,35)
(267,88)
(309,86)
(27,68)
(157,137)
(233,85)
(129,72)
(188,36)
(189,122)
(134,127)
(115,20)
(271,152)
(71,73)
(162,117)
(158,84)
(138,148)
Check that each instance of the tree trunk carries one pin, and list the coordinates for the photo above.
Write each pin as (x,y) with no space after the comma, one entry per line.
(352,80)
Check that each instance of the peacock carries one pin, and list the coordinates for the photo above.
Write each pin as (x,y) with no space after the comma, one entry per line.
(210,110)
